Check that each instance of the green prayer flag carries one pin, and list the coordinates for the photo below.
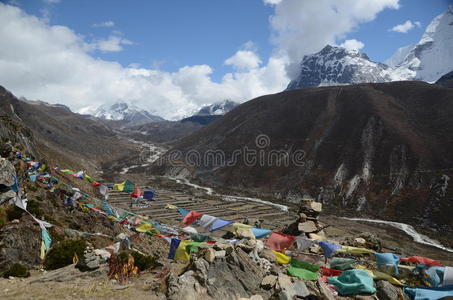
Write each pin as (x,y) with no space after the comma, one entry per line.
(129,186)
(192,247)
(199,237)
(303,270)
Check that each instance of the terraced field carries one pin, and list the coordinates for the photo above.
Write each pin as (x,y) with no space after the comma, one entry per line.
(215,206)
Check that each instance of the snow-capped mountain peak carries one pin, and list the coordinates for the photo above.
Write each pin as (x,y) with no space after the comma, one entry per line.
(335,65)
(125,112)
(432,56)
(218,108)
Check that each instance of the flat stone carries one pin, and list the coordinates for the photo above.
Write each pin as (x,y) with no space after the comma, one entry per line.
(387,291)
(301,289)
(308,227)
(220,254)
(256,297)
(316,206)
(119,287)
(302,217)
(269,282)
(315,236)
(209,255)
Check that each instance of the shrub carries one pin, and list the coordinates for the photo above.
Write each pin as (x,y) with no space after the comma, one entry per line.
(17,270)
(62,254)
(13,212)
(144,262)
(3,217)
(33,208)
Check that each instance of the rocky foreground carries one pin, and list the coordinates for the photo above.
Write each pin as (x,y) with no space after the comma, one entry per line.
(96,250)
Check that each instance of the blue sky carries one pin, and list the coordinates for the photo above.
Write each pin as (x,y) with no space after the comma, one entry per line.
(170,34)
(173,56)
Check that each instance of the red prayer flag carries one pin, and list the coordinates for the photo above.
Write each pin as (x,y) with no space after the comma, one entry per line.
(95,183)
(422,260)
(330,272)
(191,217)
(279,241)
(137,193)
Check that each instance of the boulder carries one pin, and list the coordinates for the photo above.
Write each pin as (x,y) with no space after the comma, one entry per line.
(387,291)
(7,172)
(269,282)
(359,242)
(245,233)
(307,227)
(288,291)
(209,255)
(256,297)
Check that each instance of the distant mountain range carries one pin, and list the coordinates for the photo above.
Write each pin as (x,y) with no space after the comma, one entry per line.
(427,60)
(212,112)
(129,113)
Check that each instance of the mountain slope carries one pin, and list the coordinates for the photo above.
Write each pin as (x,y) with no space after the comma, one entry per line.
(446,80)
(382,149)
(62,137)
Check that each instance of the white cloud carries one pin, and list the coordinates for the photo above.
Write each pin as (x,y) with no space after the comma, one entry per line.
(272,2)
(52,1)
(352,44)
(54,64)
(304,27)
(104,24)
(245,59)
(405,27)
(112,44)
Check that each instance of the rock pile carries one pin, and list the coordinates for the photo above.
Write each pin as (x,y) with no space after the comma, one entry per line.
(90,260)
(308,223)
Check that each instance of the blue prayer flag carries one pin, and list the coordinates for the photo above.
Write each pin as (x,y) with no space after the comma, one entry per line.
(260,232)
(328,248)
(173,246)
(219,223)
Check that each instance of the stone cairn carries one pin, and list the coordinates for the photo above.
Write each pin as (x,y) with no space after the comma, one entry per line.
(308,222)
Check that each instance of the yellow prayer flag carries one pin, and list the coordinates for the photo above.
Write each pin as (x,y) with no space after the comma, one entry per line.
(42,255)
(282,258)
(381,276)
(119,186)
(181,253)
(144,227)
(171,206)
(355,250)
(236,226)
